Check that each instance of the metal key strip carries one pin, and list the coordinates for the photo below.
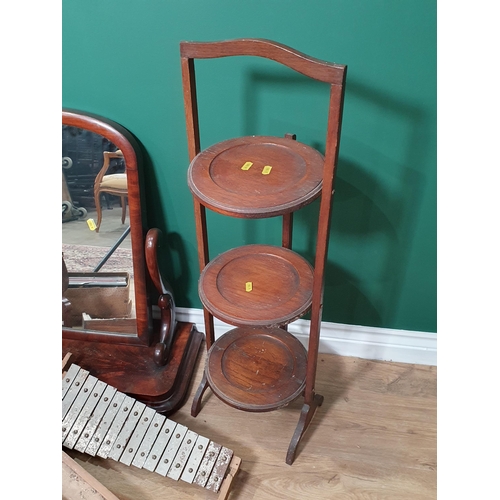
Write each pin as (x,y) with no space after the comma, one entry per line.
(99,420)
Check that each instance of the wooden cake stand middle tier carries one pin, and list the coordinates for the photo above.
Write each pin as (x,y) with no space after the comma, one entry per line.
(257,285)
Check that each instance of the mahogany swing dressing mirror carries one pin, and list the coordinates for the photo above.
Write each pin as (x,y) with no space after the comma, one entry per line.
(118,313)
(102,232)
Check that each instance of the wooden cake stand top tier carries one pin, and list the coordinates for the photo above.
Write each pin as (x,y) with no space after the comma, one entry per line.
(257,369)
(256,176)
(257,285)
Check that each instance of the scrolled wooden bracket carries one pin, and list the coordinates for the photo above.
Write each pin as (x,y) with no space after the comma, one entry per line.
(166,301)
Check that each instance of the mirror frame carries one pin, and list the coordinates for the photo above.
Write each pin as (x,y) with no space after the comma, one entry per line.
(129,146)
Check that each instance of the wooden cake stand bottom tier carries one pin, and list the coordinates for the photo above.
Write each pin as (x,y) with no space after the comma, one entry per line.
(257,369)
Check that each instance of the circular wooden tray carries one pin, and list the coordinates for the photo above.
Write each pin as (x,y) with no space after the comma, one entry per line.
(256,176)
(257,285)
(257,369)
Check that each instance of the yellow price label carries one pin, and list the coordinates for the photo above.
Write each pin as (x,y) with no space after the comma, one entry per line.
(266,170)
(247,165)
(91,224)
(248,286)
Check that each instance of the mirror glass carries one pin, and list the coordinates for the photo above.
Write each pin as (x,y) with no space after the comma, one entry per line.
(97,249)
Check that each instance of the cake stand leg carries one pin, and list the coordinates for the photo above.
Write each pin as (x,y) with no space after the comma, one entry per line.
(306,416)
(196,406)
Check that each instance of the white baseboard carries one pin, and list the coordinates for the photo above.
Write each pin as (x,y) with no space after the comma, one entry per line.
(365,342)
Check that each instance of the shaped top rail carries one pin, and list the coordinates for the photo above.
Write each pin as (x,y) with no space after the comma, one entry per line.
(309,66)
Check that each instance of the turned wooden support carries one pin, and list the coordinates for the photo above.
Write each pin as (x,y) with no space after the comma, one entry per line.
(287,228)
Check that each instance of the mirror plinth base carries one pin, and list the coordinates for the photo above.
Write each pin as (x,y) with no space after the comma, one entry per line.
(132,369)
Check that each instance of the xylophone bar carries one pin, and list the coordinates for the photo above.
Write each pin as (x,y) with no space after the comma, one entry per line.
(97,419)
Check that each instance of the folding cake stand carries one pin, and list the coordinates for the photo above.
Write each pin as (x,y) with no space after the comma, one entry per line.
(259,366)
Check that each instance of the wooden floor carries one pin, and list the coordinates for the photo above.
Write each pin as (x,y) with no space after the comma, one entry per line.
(373,438)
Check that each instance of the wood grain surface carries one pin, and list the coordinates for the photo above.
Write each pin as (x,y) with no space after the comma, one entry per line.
(374,437)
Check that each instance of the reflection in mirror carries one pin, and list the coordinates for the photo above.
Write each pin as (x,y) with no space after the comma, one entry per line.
(96,248)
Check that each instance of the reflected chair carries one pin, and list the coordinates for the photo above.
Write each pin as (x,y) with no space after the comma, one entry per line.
(114,184)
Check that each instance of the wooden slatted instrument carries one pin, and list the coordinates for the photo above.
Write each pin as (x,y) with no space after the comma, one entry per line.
(99,420)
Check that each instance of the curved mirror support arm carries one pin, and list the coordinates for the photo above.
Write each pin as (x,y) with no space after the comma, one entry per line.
(139,329)
(165,301)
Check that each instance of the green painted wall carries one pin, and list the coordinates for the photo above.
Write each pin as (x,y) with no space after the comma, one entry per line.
(121,60)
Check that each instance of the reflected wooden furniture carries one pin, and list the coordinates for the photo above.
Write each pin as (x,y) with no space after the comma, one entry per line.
(99,420)
(66,304)
(114,184)
(258,366)
(150,355)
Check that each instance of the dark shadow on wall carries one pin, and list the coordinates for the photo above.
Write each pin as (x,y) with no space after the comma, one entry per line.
(344,298)
(392,211)
(172,254)
(364,206)
(283,80)
(359,217)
